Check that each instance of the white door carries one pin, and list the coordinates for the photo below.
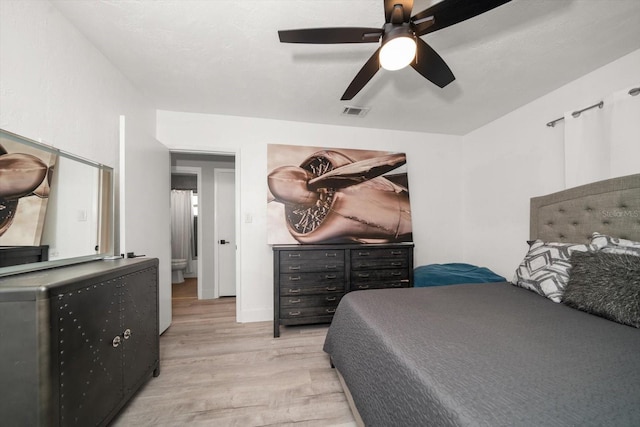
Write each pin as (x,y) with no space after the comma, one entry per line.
(145,204)
(225,231)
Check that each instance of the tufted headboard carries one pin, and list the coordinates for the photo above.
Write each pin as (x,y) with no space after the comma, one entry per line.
(610,207)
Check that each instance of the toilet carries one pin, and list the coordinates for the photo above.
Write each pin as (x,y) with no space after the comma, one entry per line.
(177,270)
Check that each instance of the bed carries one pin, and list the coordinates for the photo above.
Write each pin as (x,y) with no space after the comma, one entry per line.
(498,354)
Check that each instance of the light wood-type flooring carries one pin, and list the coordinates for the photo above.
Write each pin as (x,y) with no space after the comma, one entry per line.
(216,372)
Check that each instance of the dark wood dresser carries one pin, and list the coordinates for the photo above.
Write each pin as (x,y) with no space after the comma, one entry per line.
(310,280)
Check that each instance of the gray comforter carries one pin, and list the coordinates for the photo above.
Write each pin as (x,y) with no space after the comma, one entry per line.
(490,355)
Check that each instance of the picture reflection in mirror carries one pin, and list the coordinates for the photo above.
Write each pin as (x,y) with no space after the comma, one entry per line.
(25,182)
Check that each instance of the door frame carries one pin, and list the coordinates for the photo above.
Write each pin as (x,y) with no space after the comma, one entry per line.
(193,170)
(236,154)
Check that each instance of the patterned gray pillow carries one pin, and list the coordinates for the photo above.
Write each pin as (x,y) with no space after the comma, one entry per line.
(614,245)
(606,285)
(545,268)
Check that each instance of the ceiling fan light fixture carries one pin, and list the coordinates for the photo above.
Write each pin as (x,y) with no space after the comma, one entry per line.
(398,49)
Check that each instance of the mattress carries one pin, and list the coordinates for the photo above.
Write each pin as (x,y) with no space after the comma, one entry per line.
(483,355)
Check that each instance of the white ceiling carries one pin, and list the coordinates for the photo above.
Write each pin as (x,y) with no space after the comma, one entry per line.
(224,57)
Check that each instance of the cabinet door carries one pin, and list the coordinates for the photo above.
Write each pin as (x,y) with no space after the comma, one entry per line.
(85,320)
(139,326)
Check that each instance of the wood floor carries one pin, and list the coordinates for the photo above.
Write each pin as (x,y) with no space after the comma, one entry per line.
(216,372)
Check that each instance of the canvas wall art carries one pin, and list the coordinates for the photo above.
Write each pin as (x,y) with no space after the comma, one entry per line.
(332,195)
(25,179)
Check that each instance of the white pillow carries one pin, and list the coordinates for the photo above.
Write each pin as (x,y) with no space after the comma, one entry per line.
(545,269)
(614,245)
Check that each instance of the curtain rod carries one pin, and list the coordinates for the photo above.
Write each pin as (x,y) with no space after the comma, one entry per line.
(633,92)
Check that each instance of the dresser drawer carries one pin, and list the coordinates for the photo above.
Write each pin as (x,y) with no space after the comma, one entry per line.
(379,284)
(316,260)
(307,280)
(293,313)
(363,259)
(311,288)
(379,275)
(375,263)
(294,301)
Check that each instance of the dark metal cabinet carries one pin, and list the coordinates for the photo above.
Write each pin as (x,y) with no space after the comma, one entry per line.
(310,280)
(88,337)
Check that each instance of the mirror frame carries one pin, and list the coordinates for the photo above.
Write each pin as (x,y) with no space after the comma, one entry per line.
(106,224)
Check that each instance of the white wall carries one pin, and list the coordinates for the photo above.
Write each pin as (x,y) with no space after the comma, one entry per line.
(433,161)
(55,86)
(518,157)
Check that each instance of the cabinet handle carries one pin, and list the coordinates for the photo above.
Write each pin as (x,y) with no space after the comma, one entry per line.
(331,254)
(331,298)
(294,291)
(363,265)
(294,278)
(330,267)
(363,286)
(332,288)
(363,275)
(396,285)
(294,301)
(294,313)
(294,267)
(396,274)
(331,310)
(330,276)
(363,254)
(116,341)
(127,334)
(396,252)
(294,255)
(396,264)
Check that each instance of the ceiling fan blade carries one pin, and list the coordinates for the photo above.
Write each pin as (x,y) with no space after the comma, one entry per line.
(449,12)
(331,35)
(407,7)
(432,67)
(362,78)
(355,173)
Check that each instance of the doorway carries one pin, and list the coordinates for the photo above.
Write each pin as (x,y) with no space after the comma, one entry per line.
(209,268)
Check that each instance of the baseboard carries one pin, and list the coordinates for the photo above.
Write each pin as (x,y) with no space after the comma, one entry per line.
(259,315)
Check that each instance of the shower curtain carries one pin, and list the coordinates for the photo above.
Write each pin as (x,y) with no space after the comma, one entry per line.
(603,143)
(181,226)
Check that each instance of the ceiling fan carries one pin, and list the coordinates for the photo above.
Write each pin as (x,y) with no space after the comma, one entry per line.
(401,43)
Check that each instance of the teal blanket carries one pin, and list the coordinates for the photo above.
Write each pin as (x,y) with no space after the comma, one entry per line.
(452,274)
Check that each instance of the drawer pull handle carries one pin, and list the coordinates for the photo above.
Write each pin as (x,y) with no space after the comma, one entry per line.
(116,341)
(294,291)
(294,255)
(331,298)
(363,254)
(363,265)
(294,313)
(396,264)
(396,252)
(331,267)
(331,254)
(294,278)
(363,286)
(126,334)
(331,310)
(396,274)
(396,285)
(294,267)
(294,301)
(364,275)
(330,276)
(331,288)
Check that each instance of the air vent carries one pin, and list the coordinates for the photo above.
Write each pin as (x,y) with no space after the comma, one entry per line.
(355,111)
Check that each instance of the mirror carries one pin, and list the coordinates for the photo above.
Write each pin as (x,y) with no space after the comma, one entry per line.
(55,208)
